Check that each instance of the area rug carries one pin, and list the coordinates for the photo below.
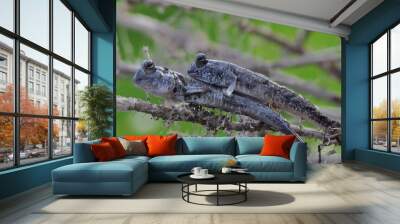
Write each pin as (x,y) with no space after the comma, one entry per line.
(166,198)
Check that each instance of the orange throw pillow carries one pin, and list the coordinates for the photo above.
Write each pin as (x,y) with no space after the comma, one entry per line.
(103,152)
(277,145)
(135,137)
(116,145)
(161,145)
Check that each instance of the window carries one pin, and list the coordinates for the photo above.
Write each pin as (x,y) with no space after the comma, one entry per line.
(47,75)
(37,89)
(3,72)
(3,61)
(3,78)
(385,91)
(44,91)
(62,74)
(81,45)
(62,137)
(81,82)
(30,72)
(30,87)
(35,21)
(6,142)
(62,29)
(6,72)
(7,14)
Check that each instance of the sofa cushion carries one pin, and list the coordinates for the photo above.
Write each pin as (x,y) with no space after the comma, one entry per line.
(116,145)
(257,163)
(112,171)
(135,147)
(277,145)
(161,145)
(103,152)
(185,163)
(206,145)
(249,145)
(83,153)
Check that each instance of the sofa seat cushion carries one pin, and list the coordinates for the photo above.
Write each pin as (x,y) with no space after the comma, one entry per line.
(185,163)
(257,163)
(113,171)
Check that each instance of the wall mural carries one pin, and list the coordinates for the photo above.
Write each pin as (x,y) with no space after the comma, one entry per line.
(200,73)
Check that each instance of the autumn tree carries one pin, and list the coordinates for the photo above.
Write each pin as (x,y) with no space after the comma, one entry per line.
(33,131)
(380,127)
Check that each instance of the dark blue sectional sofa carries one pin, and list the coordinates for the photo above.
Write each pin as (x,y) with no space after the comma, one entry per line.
(125,176)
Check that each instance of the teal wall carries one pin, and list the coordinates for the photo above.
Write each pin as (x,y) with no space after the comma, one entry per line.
(100,17)
(355,92)
(103,53)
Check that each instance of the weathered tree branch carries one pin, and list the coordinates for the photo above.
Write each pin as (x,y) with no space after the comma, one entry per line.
(306,59)
(179,39)
(210,120)
(301,37)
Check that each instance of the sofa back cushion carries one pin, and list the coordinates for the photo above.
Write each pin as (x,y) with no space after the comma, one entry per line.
(206,145)
(83,152)
(249,145)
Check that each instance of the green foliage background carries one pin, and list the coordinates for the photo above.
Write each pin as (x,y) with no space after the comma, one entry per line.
(219,29)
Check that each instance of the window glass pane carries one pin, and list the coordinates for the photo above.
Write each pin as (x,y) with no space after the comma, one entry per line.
(379,97)
(34,72)
(62,29)
(81,45)
(6,74)
(62,138)
(395,135)
(62,89)
(395,47)
(379,135)
(7,14)
(35,21)
(81,131)
(6,142)
(379,56)
(81,82)
(395,94)
(33,139)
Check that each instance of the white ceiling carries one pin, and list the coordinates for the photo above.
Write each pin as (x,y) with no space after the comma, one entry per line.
(321,9)
(317,15)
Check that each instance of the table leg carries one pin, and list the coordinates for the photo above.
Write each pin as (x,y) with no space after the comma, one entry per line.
(188,189)
(217,194)
(245,193)
(195,188)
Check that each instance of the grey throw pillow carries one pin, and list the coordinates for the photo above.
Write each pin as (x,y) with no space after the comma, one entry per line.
(136,148)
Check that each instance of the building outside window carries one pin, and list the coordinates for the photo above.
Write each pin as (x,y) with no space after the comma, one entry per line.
(3,72)
(30,72)
(59,124)
(30,87)
(385,91)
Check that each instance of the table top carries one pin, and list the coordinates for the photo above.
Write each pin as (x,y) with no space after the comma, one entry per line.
(220,178)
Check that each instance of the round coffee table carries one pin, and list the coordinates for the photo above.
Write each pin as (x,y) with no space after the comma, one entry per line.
(238,179)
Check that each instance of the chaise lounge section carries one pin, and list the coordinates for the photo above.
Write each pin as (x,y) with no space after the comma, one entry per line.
(125,176)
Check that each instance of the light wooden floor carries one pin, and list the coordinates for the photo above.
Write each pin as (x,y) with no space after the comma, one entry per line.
(352,182)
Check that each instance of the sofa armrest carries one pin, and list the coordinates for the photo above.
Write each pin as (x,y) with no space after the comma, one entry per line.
(298,155)
(83,152)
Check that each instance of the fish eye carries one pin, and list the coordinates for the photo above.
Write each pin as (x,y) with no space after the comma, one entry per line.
(201,60)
